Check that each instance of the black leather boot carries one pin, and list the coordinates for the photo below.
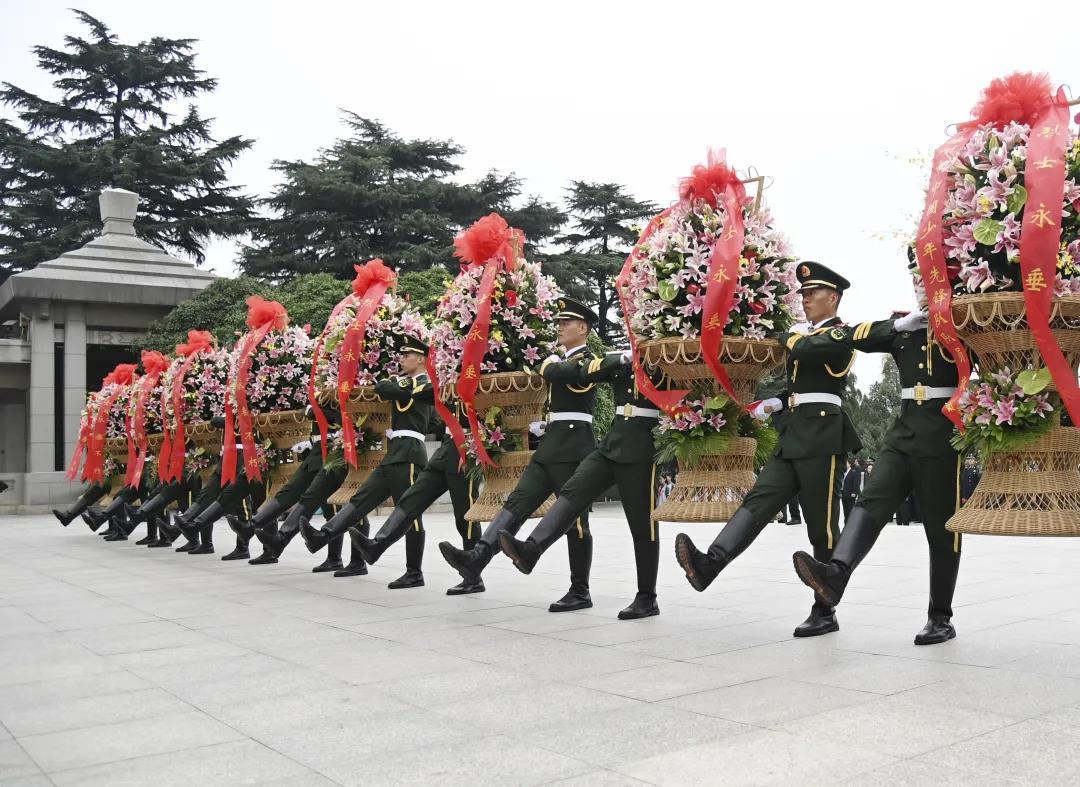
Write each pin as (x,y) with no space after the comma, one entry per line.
(333,556)
(822,617)
(267,515)
(647,560)
(829,579)
(414,561)
(151,534)
(395,526)
(555,524)
(162,539)
(357,566)
(274,539)
(944,567)
(465,587)
(578,596)
(94,517)
(206,538)
(471,563)
(86,499)
(316,539)
(116,513)
(244,532)
(703,567)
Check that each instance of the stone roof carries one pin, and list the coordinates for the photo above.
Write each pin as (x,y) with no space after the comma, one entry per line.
(116,267)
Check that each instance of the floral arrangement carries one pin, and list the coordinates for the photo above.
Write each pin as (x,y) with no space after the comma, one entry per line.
(203,386)
(523,305)
(495,439)
(985,208)
(706,427)
(280,365)
(117,426)
(1005,411)
(383,335)
(198,460)
(666,285)
(366,440)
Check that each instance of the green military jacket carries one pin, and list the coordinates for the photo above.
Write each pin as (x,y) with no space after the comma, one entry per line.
(409,411)
(630,438)
(921,429)
(568,441)
(817,362)
(447,458)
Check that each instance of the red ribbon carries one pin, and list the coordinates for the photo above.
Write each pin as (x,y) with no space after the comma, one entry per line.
(723,277)
(457,434)
(263,316)
(165,453)
(313,399)
(1040,236)
(490,242)
(154,363)
(122,376)
(371,283)
(197,342)
(670,402)
(930,253)
(82,443)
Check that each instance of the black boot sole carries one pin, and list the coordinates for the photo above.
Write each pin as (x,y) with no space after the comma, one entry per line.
(235,555)
(357,571)
(573,606)
(262,560)
(801,561)
(638,614)
(508,545)
(685,559)
(202,551)
(816,632)
(403,583)
(935,640)
(447,550)
(322,568)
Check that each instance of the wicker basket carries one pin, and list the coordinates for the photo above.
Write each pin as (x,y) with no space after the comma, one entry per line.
(499,482)
(202,435)
(116,448)
(279,476)
(747,361)
(1034,491)
(712,490)
(285,428)
(357,477)
(521,395)
(364,402)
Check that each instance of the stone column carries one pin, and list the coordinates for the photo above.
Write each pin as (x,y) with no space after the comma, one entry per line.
(74,372)
(42,391)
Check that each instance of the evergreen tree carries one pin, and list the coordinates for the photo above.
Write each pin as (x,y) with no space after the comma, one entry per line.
(602,214)
(375,194)
(111,126)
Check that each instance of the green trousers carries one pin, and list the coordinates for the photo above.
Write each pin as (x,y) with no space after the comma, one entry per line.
(538,482)
(430,485)
(935,481)
(636,484)
(305,472)
(816,480)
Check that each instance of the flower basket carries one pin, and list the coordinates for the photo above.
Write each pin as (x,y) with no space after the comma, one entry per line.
(364,403)
(116,448)
(499,482)
(521,395)
(284,428)
(712,490)
(202,435)
(1033,490)
(747,361)
(366,462)
(279,476)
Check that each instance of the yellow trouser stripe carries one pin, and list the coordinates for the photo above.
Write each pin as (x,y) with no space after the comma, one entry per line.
(580,531)
(412,480)
(956,536)
(652,504)
(828,509)
(470,523)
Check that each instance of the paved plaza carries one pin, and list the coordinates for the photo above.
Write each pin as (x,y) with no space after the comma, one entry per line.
(123,665)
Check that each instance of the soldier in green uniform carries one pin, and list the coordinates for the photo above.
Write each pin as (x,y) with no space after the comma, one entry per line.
(815,436)
(405,458)
(442,474)
(566,441)
(90,495)
(152,511)
(918,457)
(624,458)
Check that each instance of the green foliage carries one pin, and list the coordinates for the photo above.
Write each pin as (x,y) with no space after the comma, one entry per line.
(221,308)
(108,127)
(602,215)
(604,409)
(375,194)
(688,446)
(424,288)
(873,414)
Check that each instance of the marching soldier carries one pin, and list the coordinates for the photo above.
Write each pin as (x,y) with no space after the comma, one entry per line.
(567,440)
(442,474)
(152,510)
(918,457)
(405,458)
(815,435)
(91,495)
(623,458)
(309,488)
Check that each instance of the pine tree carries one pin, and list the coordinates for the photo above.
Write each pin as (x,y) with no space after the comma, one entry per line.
(375,194)
(602,214)
(112,126)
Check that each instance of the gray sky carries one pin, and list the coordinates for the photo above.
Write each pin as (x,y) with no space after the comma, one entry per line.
(839,103)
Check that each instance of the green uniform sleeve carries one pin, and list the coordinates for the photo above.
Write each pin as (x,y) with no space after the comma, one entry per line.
(392,391)
(872,337)
(598,370)
(565,372)
(831,346)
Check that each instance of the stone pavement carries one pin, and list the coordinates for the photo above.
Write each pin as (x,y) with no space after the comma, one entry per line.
(123,665)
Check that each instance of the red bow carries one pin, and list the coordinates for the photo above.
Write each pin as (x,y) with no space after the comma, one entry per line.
(153,363)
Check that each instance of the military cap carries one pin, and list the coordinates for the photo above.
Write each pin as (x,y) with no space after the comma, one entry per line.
(410,344)
(570,309)
(814,275)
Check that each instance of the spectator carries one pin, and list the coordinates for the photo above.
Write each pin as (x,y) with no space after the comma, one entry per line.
(969,478)
(851,486)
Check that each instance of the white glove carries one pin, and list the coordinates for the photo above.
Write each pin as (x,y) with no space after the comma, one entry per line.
(627,356)
(766,407)
(538,428)
(799,327)
(913,321)
(553,358)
